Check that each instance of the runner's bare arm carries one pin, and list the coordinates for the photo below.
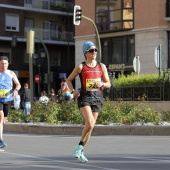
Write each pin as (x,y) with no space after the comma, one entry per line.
(73,75)
(17,83)
(106,80)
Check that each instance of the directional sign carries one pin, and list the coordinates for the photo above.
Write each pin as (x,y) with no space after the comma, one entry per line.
(136,64)
(156,57)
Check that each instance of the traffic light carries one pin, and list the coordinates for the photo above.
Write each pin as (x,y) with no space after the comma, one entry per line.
(77,15)
(45,78)
(14,41)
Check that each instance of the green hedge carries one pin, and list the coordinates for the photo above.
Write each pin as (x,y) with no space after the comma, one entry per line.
(140,80)
(120,113)
(135,87)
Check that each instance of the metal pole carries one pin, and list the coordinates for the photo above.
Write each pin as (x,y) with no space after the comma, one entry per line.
(39,73)
(160,59)
(31,78)
(48,65)
(97,33)
(48,68)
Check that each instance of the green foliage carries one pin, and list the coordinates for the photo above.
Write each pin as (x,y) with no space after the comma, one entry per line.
(70,112)
(141,80)
(46,113)
(15,116)
(119,112)
(166,116)
(128,113)
(151,87)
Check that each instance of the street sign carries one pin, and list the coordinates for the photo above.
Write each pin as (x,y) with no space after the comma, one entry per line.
(37,78)
(157,57)
(136,64)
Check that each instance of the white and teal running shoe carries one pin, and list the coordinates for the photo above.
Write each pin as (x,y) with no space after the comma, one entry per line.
(79,154)
(82,158)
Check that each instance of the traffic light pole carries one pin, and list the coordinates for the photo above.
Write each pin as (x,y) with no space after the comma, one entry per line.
(97,33)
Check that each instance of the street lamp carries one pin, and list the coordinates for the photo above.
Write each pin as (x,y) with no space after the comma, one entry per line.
(38,56)
(14,43)
(48,66)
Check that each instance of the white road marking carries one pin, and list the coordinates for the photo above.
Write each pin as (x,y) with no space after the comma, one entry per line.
(58,161)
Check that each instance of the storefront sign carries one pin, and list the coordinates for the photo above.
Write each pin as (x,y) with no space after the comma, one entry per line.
(119,66)
(116,67)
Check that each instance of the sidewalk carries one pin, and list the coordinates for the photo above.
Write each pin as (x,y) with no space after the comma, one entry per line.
(160,130)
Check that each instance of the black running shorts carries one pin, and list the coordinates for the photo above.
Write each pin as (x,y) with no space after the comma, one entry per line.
(5,106)
(92,99)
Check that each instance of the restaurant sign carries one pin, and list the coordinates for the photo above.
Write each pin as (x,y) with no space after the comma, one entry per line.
(119,66)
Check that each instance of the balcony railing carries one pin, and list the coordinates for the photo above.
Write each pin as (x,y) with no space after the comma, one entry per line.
(53,35)
(51,5)
(148,93)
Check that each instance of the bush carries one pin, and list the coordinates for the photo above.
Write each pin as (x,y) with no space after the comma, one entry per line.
(165,116)
(15,115)
(131,87)
(120,112)
(70,112)
(142,80)
(128,113)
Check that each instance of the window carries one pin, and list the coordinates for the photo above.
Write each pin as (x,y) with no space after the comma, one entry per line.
(28,2)
(118,50)
(29,23)
(127,14)
(11,22)
(45,4)
(50,30)
(167,8)
(114,15)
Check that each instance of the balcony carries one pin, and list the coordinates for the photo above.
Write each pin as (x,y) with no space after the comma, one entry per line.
(52,35)
(54,5)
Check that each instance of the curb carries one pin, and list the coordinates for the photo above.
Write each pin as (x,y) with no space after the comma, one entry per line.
(159,130)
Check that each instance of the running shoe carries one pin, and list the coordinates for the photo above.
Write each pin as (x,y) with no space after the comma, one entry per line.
(82,158)
(78,151)
(2,144)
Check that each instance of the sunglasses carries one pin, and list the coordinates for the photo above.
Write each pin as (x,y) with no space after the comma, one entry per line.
(92,50)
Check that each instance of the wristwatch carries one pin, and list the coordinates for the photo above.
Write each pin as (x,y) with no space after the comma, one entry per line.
(16,89)
(72,91)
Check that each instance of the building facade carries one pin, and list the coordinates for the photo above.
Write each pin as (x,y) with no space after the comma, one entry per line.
(51,20)
(127,28)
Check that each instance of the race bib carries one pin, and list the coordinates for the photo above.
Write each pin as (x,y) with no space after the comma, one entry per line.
(4,93)
(90,86)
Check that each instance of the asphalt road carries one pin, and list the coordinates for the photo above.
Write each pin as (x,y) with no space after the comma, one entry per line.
(46,152)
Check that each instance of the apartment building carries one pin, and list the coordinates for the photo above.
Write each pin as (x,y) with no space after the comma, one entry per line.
(127,28)
(52,21)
